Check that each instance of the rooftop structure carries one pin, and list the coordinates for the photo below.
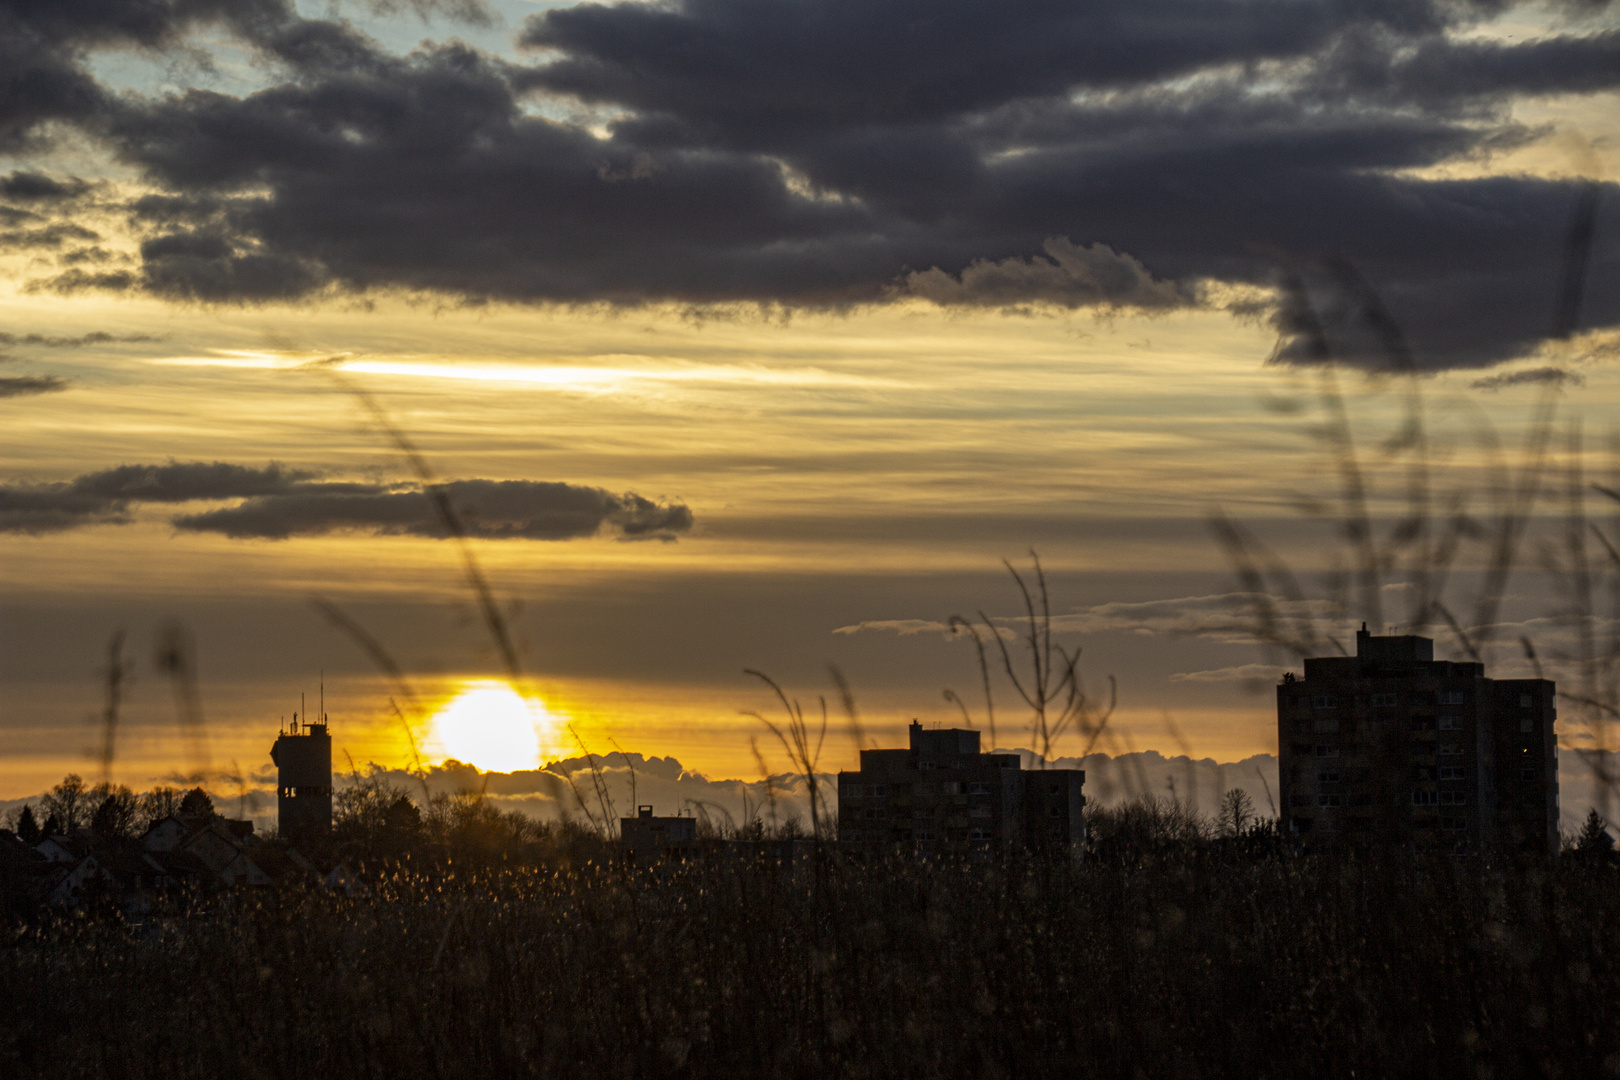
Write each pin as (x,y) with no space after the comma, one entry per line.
(941,793)
(1395,748)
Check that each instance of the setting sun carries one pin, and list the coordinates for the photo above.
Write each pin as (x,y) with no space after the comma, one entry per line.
(488,724)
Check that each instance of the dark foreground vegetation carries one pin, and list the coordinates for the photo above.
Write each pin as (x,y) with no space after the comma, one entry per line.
(1182,958)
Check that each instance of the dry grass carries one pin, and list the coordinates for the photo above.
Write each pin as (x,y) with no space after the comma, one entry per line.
(1190,962)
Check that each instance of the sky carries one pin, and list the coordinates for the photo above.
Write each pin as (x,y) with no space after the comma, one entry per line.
(755,335)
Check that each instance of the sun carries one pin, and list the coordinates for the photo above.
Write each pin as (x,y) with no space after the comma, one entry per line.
(490,725)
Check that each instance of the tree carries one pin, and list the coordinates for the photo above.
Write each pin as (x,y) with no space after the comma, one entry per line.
(402,823)
(28,829)
(1236,811)
(115,812)
(197,804)
(69,803)
(157,804)
(1594,840)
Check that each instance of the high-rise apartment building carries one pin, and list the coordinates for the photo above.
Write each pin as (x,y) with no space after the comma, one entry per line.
(1393,747)
(941,793)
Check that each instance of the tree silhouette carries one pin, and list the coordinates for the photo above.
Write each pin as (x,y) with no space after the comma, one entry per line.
(157,804)
(116,812)
(197,804)
(1594,840)
(28,829)
(1237,811)
(69,803)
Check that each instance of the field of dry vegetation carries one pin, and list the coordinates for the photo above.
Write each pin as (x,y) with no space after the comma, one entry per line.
(1164,954)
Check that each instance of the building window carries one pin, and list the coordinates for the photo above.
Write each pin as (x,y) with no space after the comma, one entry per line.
(1450,723)
(1383,701)
(1361,799)
(1330,724)
(1303,748)
(978,788)
(922,813)
(1451,772)
(1422,772)
(980,834)
(880,791)
(850,791)
(979,811)
(1453,697)
(1451,749)
(923,834)
(1327,777)
(1453,798)
(1323,701)
(1527,725)
(1454,823)
(1527,772)
(1330,800)
(1526,701)
(1326,750)
(1425,798)
(953,787)
(1300,800)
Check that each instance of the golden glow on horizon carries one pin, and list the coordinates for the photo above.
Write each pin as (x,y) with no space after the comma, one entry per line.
(575,377)
(490,725)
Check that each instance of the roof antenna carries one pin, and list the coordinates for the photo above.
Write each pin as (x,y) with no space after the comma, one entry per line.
(323,695)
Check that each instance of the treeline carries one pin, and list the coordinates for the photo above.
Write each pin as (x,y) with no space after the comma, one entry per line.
(112,811)
(376,818)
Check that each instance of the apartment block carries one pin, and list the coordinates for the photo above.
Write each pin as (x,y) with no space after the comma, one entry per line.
(1395,748)
(942,794)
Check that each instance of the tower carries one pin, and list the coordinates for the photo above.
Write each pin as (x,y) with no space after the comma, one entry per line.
(303,759)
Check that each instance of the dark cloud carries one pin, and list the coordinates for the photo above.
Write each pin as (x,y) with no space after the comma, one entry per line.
(31,186)
(53,235)
(106,497)
(1069,275)
(188,481)
(754,68)
(24,385)
(829,152)
(488,509)
(278,502)
(1541,376)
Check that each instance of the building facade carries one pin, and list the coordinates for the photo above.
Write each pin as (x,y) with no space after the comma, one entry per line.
(1395,748)
(303,759)
(646,838)
(941,793)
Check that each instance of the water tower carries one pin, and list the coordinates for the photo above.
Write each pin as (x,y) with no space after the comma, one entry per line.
(303,757)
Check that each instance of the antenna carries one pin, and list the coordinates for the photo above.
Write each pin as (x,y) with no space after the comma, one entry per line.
(323,695)
(303,707)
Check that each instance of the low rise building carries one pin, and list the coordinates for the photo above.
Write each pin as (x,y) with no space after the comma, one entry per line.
(646,838)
